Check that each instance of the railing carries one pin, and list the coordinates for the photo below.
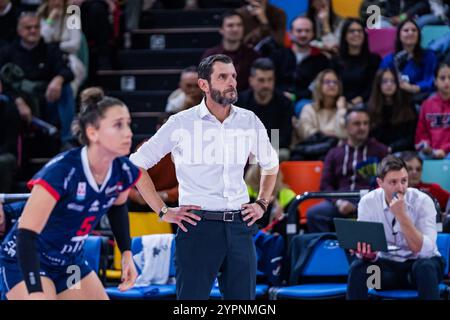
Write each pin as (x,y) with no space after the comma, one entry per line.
(11,197)
(292,218)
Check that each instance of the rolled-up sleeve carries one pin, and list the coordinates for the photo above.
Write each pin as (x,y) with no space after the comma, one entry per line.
(262,149)
(365,206)
(153,150)
(427,226)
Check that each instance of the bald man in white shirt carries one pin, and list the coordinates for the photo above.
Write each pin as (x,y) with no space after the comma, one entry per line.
(409,219)
(211,144)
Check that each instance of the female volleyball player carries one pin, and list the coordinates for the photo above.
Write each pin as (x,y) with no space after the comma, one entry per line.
(42,256)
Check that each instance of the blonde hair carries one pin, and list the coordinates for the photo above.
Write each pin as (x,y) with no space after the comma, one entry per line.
(318,96)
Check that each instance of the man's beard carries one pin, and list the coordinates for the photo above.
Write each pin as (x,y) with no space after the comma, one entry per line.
(220,98)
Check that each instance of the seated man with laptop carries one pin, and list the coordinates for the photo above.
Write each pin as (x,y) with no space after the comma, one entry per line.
(409,221)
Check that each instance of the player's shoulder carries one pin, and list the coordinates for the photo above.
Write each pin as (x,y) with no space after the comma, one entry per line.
(64,161)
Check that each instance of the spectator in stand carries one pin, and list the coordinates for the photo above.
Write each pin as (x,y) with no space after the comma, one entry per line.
(440,11)
(99,32)
(416,65)
(47,72)
(327,25)
(232,31)
(261,21)
(393,118)
(9,135)
(355,65)
(348,167)
(298,66)
(414,166)
(433,127)
(273,109)
(188,93)
(8,22)
(397,11)
(164,177)
(324,117)
(54,30)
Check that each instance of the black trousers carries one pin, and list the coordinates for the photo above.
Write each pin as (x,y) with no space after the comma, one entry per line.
(211,247)
(423,275)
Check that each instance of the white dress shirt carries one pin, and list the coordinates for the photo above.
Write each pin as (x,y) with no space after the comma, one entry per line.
(210,156)
(421,210)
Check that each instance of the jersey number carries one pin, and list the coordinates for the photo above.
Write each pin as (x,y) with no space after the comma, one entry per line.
(86,226)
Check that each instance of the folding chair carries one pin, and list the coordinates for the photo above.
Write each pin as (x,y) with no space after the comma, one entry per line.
(303,176)
(437,171)
(327,260)
(443,244)
(167,291)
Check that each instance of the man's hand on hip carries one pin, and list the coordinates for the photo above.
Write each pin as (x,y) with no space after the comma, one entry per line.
(180,214)
(252,212)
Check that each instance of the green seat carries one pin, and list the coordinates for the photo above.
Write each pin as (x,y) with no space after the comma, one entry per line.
(437,171)
(430,33)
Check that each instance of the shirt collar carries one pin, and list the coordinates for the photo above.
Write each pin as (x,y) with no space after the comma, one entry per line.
(203,111)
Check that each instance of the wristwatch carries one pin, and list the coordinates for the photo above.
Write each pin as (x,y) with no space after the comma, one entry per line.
(163,211)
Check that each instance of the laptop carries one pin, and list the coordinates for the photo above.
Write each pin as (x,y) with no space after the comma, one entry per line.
(350,232)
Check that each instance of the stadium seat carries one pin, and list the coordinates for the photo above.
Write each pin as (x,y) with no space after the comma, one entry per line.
(381,41)
(92,251)
(437,171)
(166,291)
(430,33)
(303,176)
(261,291)
(292,9)
(319,265)
(443,244)
(347,9)
(141,223)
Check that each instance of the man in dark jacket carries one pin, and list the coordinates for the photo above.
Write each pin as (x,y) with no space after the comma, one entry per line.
(45,67)
(273,109)
(297,67)
(348,167)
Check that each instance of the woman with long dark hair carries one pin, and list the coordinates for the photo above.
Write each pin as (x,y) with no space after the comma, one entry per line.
(392,116)
(355,65)
(327,25)
(415,65)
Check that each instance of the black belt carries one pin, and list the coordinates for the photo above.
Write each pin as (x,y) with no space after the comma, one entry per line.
(227,216)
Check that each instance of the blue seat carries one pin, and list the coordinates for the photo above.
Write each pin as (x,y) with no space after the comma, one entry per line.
(92,250)
(437,171)
(167,291)
(319,265)
(261,291)
(443,244)
(431,33)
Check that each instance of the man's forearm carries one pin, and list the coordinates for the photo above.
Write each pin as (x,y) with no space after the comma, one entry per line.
(148,192)
(413,237)
(267,183)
